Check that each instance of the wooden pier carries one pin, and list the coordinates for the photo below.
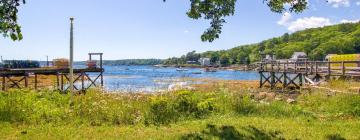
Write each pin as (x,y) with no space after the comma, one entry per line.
(296,74)
(19,78)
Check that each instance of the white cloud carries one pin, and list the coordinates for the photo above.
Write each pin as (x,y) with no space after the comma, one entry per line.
(284,19)
(349,21)
(302,23)
(339,3)
(358,3)
(308,22)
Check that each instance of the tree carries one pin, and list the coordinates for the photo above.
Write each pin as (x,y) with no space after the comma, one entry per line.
(213,10)
(8,19)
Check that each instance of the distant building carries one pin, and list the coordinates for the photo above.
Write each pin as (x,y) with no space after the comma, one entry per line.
(204,61)
(269,57)
(299,56)
(192,62)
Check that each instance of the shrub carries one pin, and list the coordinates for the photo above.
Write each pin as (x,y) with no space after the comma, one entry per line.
(161,111)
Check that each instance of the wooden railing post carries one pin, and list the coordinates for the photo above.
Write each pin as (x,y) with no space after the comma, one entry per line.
(316,67)
(329,69)
(36,82)
(343,68)
(295,66)
(306,67)
(284,70)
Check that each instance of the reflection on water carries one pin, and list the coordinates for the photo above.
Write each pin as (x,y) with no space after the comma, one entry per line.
(150,79)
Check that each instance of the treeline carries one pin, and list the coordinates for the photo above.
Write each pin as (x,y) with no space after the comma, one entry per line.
(133,62)
(316,43)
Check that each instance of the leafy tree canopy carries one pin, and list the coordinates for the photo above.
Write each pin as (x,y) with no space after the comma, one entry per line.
(8,19)
(213,10)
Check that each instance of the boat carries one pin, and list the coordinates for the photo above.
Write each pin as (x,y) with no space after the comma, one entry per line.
(196,72)
(181,69)
(210,70)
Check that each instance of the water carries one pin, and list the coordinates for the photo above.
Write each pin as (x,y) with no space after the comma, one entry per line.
(150,79)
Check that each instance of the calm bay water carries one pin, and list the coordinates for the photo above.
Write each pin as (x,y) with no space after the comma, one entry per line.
(149,78)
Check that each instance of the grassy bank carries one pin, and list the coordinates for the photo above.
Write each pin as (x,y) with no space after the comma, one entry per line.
(196,114)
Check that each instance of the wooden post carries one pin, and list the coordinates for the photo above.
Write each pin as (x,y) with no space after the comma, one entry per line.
(316,68)
(343,68)
(57,81)
(295,67)
(261,79)
(306,67)
(101,67)
(62,82)
(265,65)
(272,80)
(300,79)
(311,68)
(36,84)
(329,69)
(26,81)
(82,81)
(285,80)
(284,70)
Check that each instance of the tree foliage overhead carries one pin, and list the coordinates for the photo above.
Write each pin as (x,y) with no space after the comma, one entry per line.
(8,19)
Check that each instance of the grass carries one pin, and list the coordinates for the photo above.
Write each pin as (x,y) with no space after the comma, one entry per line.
(220,113)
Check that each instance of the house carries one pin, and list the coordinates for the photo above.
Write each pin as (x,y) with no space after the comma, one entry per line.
(204,61)
(269,57)
(191,62)
(299,56)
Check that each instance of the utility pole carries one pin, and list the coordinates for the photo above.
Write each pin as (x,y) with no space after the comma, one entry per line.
(71,70)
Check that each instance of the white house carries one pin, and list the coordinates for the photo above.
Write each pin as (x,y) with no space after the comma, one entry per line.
(299,56)
(204,61)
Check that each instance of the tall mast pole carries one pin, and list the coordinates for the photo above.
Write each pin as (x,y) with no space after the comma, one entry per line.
(71,70)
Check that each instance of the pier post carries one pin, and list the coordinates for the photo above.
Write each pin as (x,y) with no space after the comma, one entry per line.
(285,80)
(272,80)
(261,79)
(26,80)
(301,79)
(36,84)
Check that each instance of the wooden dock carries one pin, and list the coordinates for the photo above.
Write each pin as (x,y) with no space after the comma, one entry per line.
(296,74)
(19,78)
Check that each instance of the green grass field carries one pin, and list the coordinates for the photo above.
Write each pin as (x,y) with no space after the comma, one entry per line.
(218,114)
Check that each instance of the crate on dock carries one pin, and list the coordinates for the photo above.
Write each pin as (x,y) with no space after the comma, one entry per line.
(91,63)
(61,63)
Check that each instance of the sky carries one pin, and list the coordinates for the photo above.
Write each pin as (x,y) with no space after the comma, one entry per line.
(136,29)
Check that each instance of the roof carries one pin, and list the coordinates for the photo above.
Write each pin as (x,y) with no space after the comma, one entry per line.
(299,54)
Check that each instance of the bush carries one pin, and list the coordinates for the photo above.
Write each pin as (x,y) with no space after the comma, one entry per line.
(182,104)
(161,112)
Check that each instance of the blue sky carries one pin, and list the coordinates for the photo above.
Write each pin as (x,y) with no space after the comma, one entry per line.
(124,29)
